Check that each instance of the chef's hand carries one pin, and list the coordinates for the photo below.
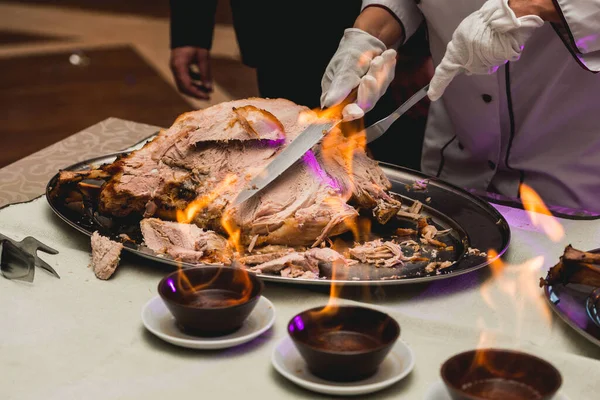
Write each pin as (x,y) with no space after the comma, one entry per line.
(485,40)
(183,60)
(360,60)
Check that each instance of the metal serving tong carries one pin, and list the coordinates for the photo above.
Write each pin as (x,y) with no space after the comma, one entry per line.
(19,259)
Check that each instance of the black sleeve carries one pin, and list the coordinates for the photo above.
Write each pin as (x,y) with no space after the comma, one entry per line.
(192,22)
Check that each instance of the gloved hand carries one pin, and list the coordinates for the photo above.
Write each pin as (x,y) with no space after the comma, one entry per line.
(485,40)
(360,60)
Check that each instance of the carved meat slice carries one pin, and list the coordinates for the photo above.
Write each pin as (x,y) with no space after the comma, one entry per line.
(185,242)
(106,255)
(301,264)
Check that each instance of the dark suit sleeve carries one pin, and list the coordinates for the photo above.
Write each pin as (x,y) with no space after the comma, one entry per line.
(192,22)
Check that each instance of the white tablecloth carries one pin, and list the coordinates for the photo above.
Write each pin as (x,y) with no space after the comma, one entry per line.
(82,338)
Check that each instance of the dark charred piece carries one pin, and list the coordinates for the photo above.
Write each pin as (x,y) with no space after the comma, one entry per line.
(575,266)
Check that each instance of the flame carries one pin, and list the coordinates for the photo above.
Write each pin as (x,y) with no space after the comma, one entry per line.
(534,205)
(233,231)
(240,279)
(185,284)
(188,215)
(516,288)
(193,208)
(485,359)
(339,147)
(335,290)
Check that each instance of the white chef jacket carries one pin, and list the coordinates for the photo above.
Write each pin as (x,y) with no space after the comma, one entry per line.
(537,120)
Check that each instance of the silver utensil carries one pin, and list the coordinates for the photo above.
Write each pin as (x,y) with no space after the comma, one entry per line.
(380,127)
(313,135)
(19,259)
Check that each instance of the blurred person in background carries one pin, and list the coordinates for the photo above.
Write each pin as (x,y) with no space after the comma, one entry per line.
(518,84)
(290,44)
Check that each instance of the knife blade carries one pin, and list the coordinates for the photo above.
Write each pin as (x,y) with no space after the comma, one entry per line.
(288,157)
(295,150)
(313,135)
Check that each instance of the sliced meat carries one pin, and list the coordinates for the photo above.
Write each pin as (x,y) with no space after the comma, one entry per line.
(380,253)
(385,210)
(268,253)
(295,259)
(185,242)
(305,264)
(106,255)
(298,272)
(259,123)
(207,157)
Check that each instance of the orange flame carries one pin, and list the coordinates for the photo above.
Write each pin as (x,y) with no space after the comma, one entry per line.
(338,150)
(189,213)
(240,279)
(335,290)
(516,285)
(516,288)
(233,231)
(539,214)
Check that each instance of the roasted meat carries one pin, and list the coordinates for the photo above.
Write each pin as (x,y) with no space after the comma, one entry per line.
(106,255)
(378,252)
(301,264)
(185,242)
(575,266)
(192,171)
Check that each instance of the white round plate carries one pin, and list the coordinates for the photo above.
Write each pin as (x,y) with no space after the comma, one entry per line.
(158,319)
(438,392)
(288,362)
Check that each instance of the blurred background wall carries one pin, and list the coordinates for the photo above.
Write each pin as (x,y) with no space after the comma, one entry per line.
(67,64)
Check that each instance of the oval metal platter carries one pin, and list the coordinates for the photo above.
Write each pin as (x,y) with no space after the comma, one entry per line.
(571,304)
(574,304)
(474,224)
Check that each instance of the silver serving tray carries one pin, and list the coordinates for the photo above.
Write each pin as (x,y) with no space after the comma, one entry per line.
(570,303)
(574,304)
(475,224)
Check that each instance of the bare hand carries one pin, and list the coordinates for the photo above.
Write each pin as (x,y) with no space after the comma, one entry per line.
(545,9)
(183,60)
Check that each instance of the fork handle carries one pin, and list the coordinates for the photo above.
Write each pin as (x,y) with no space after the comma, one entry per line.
(376,130)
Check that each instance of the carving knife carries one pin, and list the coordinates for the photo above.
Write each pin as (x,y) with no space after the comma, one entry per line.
(312,136)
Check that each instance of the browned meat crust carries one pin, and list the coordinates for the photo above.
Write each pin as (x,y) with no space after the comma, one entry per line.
(575,266)
(206,157)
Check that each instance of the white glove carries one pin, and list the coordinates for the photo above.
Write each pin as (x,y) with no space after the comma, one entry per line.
(485,40)
(360,60)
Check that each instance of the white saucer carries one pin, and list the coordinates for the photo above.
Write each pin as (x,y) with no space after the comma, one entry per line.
(287,361)
(438,392)
(158,319)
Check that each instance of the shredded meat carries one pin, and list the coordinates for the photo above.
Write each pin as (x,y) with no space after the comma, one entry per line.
(382,254)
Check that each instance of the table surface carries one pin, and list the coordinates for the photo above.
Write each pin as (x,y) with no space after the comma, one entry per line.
(80,337)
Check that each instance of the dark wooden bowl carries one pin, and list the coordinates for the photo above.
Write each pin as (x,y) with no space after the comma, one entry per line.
(209,300)
(344,344)
(490,374)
